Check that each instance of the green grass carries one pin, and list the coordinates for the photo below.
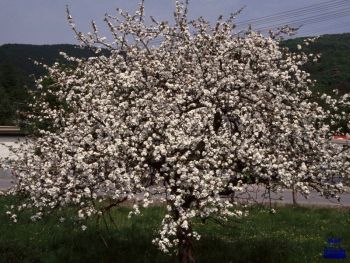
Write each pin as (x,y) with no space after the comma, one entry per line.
(290,235)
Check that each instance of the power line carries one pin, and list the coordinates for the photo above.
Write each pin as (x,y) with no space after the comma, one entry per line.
(295,12)
(310,20)
(298,16)
(324,29)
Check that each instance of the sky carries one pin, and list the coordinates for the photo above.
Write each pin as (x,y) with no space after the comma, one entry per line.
(44,21)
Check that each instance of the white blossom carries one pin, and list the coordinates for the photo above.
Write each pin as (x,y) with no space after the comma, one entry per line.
(202,113)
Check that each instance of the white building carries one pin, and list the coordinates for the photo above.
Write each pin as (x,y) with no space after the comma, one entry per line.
(9,135)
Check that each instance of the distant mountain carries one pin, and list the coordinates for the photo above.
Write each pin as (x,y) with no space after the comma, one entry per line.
(21,58)
(17,70)
(332,71)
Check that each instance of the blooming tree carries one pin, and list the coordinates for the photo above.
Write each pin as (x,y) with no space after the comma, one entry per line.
(341,122)
(201,112)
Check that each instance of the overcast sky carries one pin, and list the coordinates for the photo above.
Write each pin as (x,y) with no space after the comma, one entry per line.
(44,21)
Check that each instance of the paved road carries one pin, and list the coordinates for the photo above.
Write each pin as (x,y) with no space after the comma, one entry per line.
(5,179)
(314,199)
(5,183)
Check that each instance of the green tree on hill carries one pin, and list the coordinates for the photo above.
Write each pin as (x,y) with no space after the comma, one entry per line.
(13,94)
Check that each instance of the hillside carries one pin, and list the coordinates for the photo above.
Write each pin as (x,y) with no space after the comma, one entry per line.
(333,69)
(17,70)
(21,58)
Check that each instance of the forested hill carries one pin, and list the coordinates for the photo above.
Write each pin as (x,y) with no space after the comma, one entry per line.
(333,69)
(17,70)
(20,58)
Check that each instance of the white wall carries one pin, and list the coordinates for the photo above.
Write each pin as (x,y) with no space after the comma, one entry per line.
(5,175)
(7,141)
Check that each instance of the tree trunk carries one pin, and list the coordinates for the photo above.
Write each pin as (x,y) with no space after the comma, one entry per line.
(294,196)
(185,246)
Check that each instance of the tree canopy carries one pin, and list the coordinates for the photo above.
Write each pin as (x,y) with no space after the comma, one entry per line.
(205,112)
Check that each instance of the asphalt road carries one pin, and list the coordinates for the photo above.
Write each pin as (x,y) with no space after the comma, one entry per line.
(5,184)
(5,179)
(314,199)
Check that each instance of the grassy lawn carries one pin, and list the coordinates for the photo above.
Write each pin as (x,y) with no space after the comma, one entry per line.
(290,235)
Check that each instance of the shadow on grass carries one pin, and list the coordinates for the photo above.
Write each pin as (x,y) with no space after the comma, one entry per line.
(86,247)
(13,253)
(291,235)
(257,250)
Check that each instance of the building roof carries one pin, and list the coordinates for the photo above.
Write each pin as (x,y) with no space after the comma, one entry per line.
(11,130)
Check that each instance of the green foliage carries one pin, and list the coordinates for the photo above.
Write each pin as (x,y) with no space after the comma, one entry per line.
(12,94)
(291,235)
(18,73)
(333,69)
(22,58)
